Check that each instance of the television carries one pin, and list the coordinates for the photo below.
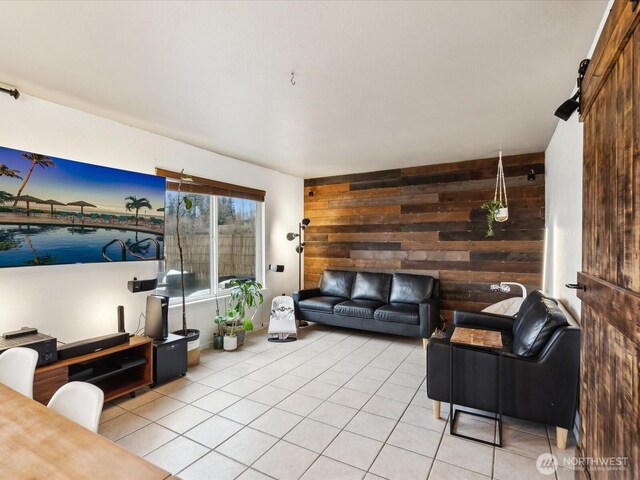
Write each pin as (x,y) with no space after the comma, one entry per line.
(55,211)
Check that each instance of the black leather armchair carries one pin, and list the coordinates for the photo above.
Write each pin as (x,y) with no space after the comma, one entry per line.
(539,373)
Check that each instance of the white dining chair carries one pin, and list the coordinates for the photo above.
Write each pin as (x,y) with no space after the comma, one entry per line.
(17,368)
(80,402)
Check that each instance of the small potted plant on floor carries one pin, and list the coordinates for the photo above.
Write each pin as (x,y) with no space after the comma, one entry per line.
(218,332)
(245,295)
(230,337)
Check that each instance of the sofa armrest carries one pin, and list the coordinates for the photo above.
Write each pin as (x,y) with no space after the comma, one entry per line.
(304,294)
(489,321)
(429,312)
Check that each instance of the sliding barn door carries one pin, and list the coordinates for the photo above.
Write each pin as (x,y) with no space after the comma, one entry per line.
(610,383)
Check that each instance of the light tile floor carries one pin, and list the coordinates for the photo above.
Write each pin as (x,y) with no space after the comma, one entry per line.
(336,404)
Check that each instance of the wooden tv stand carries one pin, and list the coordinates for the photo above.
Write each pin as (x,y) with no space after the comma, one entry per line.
(117,370)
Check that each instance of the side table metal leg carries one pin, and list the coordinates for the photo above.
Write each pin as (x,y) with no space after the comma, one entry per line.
(451,416)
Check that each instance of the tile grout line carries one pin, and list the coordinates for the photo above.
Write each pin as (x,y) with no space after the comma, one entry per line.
(271,407)
(360,410)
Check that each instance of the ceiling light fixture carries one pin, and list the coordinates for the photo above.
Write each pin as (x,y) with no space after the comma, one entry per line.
(565,110)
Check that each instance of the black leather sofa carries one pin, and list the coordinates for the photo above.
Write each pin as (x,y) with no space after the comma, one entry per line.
(539,372)
(400,304)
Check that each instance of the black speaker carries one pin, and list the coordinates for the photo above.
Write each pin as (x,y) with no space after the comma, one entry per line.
(136,285)
(121,319)
(156,323)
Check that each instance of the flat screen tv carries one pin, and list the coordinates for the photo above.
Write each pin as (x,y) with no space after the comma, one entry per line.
(55,211)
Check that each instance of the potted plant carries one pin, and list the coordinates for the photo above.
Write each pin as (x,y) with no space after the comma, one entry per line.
(492,207)
(246,294)
(218,333)
(193,335)
(230,336)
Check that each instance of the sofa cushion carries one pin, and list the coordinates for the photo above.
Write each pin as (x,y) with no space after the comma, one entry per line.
(320,304)
(357,308)
(407,288)
(371,286)
(535,325)
(336,283)
(399,313)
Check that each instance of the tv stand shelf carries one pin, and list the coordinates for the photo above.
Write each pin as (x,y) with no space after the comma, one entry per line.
(117,370)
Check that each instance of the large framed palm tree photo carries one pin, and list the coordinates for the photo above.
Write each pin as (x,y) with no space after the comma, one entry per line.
(56,211)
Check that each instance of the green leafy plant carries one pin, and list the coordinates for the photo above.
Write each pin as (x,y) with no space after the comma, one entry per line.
(245,294)
(492,208)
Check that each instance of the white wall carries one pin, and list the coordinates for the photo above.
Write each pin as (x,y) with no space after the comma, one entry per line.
(563,168)
(73,302)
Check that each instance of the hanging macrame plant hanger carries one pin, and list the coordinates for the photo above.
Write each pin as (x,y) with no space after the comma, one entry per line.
(502,215)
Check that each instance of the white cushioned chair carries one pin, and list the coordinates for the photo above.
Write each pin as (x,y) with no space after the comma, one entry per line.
(17,368)
(80,402)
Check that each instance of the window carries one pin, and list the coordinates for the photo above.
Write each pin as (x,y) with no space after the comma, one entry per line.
(196,240)
(221,239)
(237,239)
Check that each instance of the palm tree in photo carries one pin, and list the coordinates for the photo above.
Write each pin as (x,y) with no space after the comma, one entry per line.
(8,172)
(136,204)
(36,159)
(5,197)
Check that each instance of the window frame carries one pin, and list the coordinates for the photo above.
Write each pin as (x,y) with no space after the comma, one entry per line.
(214,291)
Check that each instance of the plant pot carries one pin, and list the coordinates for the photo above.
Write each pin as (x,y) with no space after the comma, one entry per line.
(230,343)
(502,215)
(193,346)
(218,342)
(240,333)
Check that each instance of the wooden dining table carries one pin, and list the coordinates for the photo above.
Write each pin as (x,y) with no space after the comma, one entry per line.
(38,443)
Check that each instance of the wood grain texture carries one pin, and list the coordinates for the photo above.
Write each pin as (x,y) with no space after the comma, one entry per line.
(476,337)
(427,220)
(49,378)
(37,442)
(610,358)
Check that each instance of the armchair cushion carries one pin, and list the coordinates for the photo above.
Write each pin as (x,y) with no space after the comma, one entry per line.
(371,286)
(336,283)
(407,288)
(398,312)
(357,308)
(536,321)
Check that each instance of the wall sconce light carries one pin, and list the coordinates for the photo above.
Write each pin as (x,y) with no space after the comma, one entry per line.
(505,288)
(565,110)
(531,176)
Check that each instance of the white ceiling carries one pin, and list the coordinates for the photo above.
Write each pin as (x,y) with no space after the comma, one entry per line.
(378,84)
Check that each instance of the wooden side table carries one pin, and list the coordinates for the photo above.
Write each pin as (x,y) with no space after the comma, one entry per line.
(487,341)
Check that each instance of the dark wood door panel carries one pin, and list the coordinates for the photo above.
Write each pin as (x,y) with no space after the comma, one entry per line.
(610,368)
(609,396)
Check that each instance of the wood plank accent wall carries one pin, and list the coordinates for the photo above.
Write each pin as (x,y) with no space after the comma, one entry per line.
(427,220)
